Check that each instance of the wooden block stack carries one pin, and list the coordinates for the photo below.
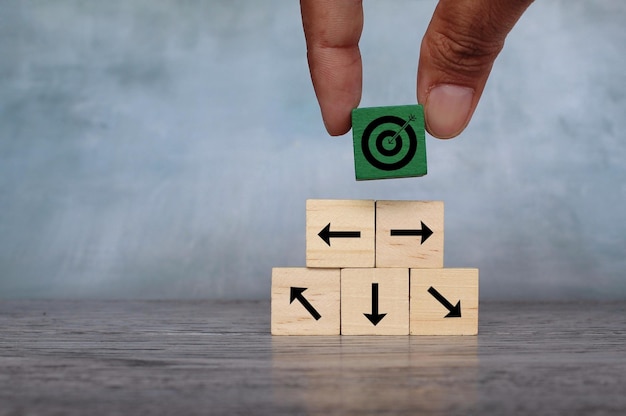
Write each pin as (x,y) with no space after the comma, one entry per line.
(374,268)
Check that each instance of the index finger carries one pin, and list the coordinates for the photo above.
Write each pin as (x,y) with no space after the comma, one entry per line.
(332,29)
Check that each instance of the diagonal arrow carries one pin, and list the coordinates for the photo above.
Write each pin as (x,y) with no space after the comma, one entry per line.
(375,317)
(395,136)
(296,293)
(455,311)
(326,234)
(425,232)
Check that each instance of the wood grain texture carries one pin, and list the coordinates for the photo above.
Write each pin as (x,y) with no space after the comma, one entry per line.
(198,357)
(389,142)
(375,292)
(305,301)
(418,217)
(431,289)
(340,216)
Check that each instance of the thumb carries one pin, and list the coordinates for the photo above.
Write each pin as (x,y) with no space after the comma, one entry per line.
(461,43)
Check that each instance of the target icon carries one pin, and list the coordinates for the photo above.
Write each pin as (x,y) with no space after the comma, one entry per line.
(389,142)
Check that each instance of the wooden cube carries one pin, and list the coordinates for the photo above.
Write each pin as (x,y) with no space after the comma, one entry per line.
(409,234)
(389,142)
(305,301)
(374,301)
(444,301)
(340,233)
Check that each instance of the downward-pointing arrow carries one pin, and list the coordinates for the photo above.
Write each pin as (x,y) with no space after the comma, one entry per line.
(296,293)
(326,234)
(455,311)
(375,317)
(425,232)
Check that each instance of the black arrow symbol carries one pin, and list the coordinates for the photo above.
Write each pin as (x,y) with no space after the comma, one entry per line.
(455,311)
(375,317)
(411,118)
(425,232)
(326,234)
(296,293)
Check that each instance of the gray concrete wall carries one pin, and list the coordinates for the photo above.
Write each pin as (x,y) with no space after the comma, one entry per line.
(155,148)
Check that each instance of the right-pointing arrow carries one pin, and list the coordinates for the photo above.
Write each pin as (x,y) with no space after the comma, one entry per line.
(455,311)
(425,232)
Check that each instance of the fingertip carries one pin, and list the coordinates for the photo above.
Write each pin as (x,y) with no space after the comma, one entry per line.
(337,123)
(457,53)
(332,29)
(448,109)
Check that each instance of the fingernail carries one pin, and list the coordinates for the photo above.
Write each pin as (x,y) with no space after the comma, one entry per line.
(447,110)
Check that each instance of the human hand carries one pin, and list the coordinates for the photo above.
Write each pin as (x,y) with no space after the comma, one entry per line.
(457,53)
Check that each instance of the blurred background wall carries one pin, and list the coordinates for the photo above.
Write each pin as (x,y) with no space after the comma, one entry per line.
(165,148)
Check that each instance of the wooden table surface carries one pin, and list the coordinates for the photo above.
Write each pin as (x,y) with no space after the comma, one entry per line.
(218,358)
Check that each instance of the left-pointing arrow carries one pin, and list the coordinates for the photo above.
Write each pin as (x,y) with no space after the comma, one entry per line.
(296,293)
(326,234)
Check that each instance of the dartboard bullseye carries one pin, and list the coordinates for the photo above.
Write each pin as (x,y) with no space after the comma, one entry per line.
(389,142)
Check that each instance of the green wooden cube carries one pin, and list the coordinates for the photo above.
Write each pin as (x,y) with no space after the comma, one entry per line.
(389,142)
